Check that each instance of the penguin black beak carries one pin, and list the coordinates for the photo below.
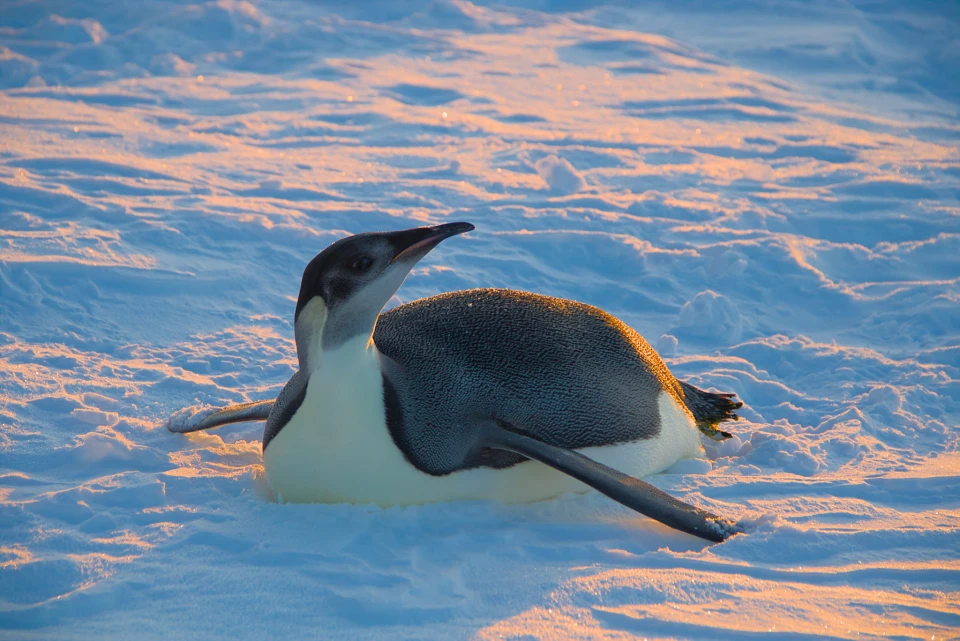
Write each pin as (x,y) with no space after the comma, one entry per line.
(415,243)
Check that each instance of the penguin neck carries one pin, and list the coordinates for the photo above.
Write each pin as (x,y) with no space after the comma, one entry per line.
(344,380)
(315,354)
(357,352)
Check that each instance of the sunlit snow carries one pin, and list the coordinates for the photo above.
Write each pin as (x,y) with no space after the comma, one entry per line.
(768,192)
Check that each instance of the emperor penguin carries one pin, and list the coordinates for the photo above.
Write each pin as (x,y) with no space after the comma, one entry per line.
(482,394)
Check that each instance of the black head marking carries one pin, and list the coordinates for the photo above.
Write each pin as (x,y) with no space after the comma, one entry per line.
(344,267)
(357,275)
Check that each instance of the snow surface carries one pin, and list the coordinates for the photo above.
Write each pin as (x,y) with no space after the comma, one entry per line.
(767,191)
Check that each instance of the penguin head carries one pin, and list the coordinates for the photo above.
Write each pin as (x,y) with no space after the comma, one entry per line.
(347,284)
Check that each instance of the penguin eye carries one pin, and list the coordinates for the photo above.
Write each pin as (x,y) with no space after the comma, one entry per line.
(361,264)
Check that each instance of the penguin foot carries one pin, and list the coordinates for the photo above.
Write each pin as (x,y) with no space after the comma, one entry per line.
(710,408)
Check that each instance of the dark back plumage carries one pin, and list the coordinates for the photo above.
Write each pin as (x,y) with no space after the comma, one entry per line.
(566,373)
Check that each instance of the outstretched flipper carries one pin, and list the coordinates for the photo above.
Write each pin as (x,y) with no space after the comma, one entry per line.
(193,419)
(623,488)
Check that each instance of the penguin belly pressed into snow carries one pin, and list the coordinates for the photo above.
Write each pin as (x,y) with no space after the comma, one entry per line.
(480,394)
(343,444)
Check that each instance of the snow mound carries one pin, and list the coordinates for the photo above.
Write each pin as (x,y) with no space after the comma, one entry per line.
(711,315)
(559,175)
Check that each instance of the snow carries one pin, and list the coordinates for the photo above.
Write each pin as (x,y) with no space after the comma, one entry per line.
(769,192)
(559,175)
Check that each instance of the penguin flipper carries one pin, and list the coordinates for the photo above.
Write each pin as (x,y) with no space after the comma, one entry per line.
(193,419)
(623,488)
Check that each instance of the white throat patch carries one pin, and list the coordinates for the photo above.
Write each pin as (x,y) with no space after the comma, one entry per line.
(309,333)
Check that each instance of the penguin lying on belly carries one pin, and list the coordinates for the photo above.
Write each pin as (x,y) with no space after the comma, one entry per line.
(479,394)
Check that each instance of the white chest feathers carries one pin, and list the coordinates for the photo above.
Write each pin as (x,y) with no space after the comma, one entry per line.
(337,447)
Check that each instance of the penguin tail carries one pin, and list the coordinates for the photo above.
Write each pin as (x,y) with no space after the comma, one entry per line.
(709,409)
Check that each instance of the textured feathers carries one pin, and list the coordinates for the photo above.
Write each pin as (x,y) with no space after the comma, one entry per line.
(570,374)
